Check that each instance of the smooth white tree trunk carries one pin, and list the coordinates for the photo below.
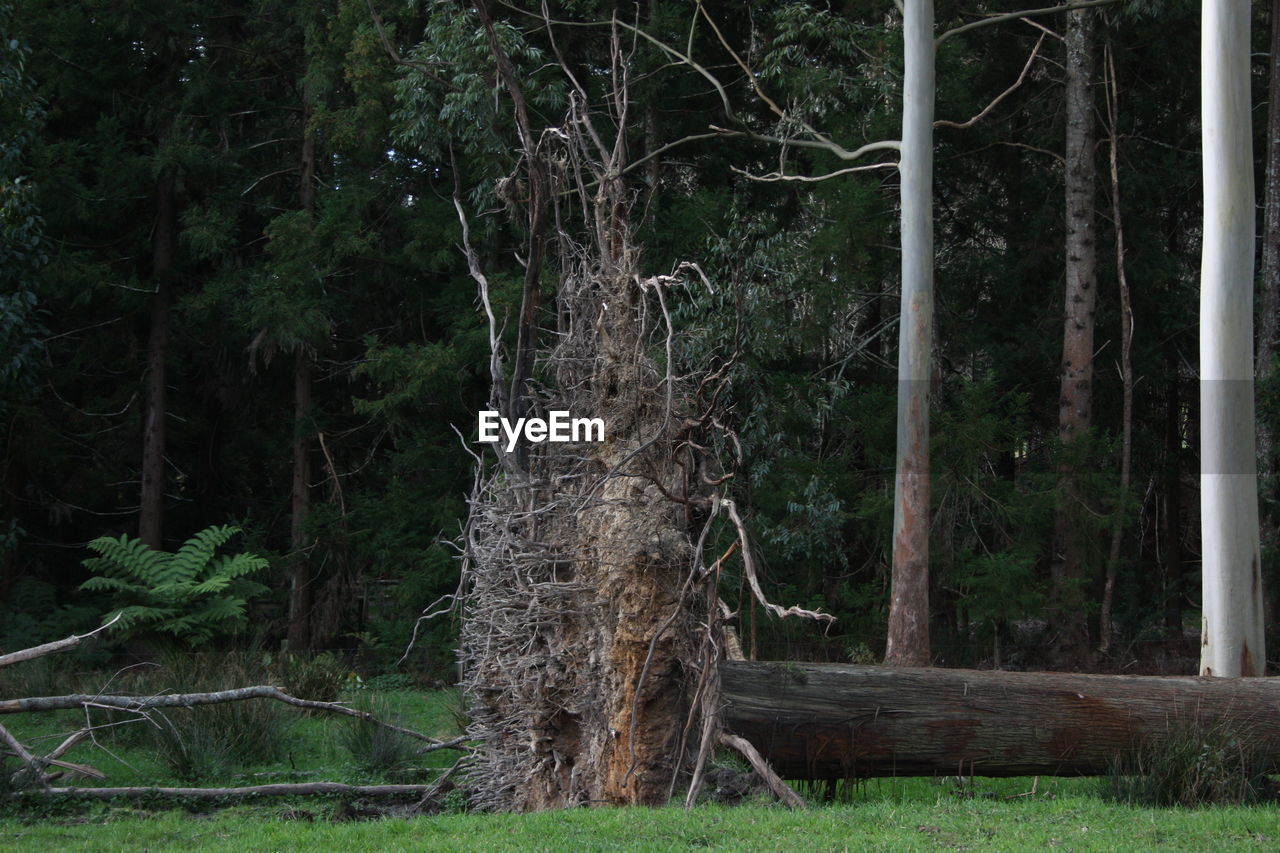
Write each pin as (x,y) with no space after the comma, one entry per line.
(908,635)
(1232,629)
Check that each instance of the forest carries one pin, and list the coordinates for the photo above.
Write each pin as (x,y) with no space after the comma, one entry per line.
(922,335)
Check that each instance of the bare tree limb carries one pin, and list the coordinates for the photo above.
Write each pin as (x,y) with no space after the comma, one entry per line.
(49,648)
(774,177)
(998,98)
(753,579)
(34,771)
(283,789)
(1013,16)
(784,792)
(142,704)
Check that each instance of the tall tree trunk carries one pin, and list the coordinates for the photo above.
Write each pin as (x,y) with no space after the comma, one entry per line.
(1075,403)
(163,251)
(1232,628)
(300,593)
(908,635)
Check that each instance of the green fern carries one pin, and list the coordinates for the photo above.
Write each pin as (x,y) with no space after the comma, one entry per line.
(191,594)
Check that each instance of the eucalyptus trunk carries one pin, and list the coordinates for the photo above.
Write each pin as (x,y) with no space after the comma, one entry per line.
(1232,626)
(908,638)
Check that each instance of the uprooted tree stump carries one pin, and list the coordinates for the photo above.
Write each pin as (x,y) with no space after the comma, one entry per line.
(839,721)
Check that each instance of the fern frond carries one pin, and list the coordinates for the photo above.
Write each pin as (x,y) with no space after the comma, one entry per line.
(194,555)
(237,565)
(131,557)
(103,583)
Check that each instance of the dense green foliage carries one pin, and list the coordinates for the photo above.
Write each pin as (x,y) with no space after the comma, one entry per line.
(191,594)
(106,107)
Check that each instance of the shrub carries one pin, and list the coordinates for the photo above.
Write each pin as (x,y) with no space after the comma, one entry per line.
(319,677)
(204,741)
(375,748)
(1194,764)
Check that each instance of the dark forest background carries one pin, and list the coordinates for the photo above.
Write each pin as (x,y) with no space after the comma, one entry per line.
(238,218)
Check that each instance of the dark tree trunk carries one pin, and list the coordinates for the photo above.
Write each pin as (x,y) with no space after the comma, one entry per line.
(163,251)
(822,721)
(1067,563)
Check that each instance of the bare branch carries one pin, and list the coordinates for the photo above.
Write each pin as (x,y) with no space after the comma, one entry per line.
(274,790)
(781,790)
(1000,97)
(753,579)
(49,648)
(831,147)
(774,177)
(34,771)
(142,704)
(1013,16)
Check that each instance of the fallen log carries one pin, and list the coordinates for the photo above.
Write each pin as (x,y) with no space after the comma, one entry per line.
(838,721)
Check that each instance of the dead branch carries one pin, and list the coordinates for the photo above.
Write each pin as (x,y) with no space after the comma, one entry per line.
(282,789)
(784,792)
(998,98)
(749,568)
(774,177)
(143,704)
(1014,16)
(49,648)
(32,768)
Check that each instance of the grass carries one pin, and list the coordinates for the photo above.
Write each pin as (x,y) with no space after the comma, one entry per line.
(889,814)
(904,816)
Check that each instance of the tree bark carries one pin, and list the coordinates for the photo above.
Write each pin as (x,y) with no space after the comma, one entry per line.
(908,634)
(1075,403)
(1232,627)
(822,721)
(163,251)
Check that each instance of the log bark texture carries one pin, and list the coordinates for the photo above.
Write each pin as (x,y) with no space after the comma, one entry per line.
(823,721)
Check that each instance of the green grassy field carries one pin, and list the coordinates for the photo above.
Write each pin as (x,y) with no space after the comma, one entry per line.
(906,817)
(906,814)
